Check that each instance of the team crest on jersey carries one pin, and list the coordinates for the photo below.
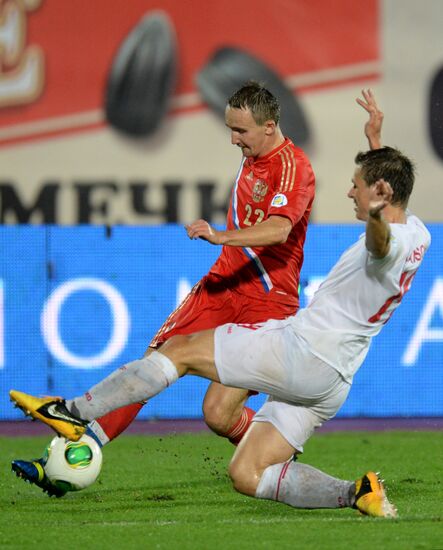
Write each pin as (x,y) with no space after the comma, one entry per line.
(259,190)
(279,200)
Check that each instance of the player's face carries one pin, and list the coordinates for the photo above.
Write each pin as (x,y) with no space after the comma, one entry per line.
(246,133)
(359,193)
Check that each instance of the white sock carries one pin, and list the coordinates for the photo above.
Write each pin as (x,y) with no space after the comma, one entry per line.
(95,431)
(132,383)
(303,486)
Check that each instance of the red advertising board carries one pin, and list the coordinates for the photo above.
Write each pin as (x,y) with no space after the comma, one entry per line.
(56,54)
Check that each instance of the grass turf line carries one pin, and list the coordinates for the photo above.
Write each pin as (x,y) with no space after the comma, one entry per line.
(173,492)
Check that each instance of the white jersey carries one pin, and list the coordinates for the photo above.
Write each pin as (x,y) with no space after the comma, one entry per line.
(359,296)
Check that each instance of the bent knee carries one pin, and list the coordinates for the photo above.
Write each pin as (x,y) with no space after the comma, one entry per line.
(217,417)
(244,477)
(223,408)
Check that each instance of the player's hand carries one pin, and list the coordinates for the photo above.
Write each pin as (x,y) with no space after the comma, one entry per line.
(201,229)
(374,124)
(380,196)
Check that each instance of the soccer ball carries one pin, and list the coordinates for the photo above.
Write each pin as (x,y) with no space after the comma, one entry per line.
(72,465)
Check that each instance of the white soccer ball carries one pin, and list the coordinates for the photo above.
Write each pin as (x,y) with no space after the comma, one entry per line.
(73,465)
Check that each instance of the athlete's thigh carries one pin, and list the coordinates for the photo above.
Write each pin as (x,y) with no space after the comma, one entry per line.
(261,446)
(192,354)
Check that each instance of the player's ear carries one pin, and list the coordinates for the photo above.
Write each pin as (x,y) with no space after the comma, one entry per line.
(270,127)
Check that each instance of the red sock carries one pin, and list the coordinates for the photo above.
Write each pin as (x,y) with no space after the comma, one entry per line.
(238,430)
(115,422)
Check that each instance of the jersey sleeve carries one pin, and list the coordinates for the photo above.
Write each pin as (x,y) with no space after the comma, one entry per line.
(294,188)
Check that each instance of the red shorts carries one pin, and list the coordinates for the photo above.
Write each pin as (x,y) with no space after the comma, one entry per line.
(211,303)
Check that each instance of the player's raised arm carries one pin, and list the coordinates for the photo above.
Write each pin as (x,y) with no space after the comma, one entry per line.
(374,125)
(378,232)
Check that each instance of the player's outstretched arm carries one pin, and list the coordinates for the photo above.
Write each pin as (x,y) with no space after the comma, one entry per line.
(378,232)
(274,230)
(374,125)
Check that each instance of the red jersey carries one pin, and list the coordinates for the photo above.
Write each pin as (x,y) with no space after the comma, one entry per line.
(281,183)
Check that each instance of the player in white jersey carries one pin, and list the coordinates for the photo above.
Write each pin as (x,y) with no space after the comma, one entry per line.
(359,295)
(305,363)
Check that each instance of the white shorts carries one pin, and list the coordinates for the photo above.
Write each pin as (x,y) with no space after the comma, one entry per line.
(271,358)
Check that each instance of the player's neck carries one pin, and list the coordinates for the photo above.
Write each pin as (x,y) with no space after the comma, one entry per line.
(275,141)
(394,214)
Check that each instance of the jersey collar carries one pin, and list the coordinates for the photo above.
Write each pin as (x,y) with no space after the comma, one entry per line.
(257,161)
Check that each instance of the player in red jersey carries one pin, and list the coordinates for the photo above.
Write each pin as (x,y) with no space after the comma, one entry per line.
(256,276)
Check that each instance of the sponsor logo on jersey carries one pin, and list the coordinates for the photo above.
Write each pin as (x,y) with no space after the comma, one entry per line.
(259,190)
(279,200)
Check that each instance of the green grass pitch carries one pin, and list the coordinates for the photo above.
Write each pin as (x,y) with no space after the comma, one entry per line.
(173,492)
